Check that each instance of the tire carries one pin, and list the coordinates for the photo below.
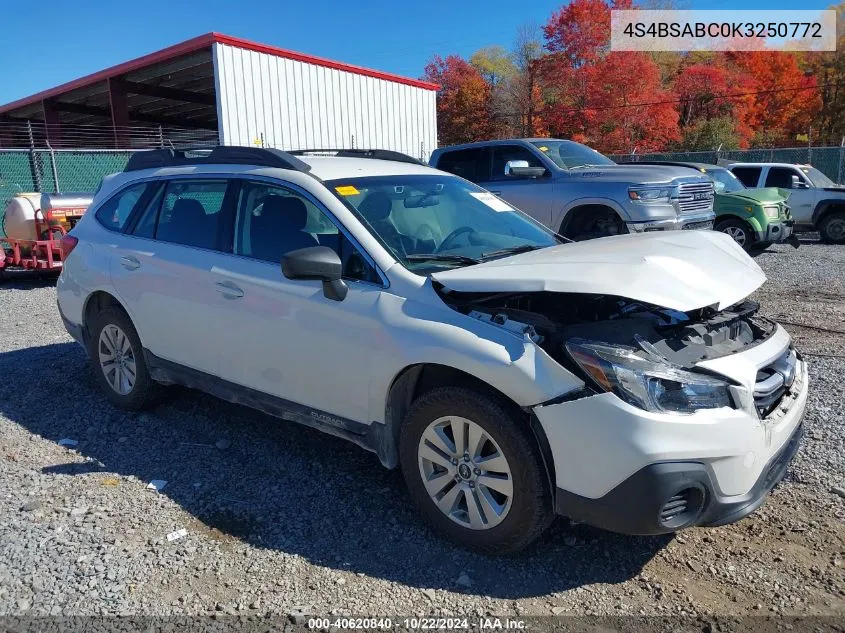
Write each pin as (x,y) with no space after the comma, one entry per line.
(738,230)
(591,223)
(525,514)
(832,228)
(128,394)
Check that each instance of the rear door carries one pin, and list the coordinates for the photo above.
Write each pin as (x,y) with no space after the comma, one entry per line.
(164,269)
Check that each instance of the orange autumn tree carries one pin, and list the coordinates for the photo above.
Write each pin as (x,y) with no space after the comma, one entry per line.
(703,90)
(786,100)
(463,101)
(612,101)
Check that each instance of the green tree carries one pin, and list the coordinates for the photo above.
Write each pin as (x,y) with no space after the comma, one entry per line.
(709,134)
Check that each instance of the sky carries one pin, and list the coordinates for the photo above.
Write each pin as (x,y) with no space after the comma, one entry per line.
(49,42)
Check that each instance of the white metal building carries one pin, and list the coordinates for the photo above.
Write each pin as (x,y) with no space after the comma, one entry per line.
(248,93)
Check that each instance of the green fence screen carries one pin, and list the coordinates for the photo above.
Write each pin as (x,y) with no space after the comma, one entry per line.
(76,171)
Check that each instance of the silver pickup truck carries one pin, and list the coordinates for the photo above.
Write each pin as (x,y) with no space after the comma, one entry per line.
(580,193)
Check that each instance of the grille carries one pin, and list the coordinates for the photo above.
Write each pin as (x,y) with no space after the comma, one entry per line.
(773,381)
(694,197)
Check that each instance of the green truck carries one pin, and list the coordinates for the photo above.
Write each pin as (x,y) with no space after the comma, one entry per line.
(755,218)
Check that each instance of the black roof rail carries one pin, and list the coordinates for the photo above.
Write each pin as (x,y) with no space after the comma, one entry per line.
(379,154)
(221,155)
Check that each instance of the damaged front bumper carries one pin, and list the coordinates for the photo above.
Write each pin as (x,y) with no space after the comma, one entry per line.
(636,472)
(777,231)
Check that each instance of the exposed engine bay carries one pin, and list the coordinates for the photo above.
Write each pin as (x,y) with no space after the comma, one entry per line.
(682,338)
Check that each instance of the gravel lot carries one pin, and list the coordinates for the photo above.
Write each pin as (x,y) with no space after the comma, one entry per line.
(282,519)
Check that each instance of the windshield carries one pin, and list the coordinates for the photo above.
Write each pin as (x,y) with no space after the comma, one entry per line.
(817,178)
(434,222)
(571,155)
(724,181)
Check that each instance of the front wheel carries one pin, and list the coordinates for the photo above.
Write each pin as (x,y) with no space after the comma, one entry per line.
(474,470)
(832,228)
(738,230)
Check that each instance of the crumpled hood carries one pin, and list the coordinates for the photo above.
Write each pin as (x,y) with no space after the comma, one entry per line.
(680,270)
(760,195)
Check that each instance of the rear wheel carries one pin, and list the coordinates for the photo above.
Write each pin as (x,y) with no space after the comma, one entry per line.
(832,228)
(118,358)
(738,230)
(475,471)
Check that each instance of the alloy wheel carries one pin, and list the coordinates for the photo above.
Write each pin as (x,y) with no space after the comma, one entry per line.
(465,473)
(117,360)
(737,233)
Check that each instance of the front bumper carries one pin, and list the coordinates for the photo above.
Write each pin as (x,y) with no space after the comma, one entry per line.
(638,505)
(777,231)
(619,468)
(698,221)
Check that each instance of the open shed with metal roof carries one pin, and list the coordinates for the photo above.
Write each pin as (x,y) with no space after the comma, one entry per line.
(221,89)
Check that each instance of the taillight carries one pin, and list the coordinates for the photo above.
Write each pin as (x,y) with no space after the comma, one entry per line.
(67,244)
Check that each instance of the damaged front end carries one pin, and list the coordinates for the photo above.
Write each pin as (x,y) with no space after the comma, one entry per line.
(647,355)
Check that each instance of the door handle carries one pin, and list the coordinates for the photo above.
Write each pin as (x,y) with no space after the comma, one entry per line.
(229,290)
(496,193)
(130,263)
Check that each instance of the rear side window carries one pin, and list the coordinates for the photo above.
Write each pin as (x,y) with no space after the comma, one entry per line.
(191,212)
(781,177)
(116,211)
(472,164)
(749,176)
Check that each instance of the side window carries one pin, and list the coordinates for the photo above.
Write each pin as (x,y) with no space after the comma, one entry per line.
(145,226)
(273,220)
(781,177)
(749,176)
(115,212)
(472,164)
(191,212)
(504,153)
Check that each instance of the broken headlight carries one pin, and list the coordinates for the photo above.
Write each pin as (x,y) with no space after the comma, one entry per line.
(645,383)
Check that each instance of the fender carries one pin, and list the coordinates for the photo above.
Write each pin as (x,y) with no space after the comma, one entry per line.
(824,205)
(582,202)
(419,333)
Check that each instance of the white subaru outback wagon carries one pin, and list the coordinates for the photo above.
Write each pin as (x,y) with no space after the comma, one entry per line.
(625,382)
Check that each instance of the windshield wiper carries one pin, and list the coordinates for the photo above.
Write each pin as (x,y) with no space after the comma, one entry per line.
(442,257)
(510,250)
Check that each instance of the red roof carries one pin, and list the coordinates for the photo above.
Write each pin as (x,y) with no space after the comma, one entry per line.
(198,43)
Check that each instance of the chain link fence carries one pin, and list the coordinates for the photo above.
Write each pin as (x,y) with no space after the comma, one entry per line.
(49,171)
(829,160)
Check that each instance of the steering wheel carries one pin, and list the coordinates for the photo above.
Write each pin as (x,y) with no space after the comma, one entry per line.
(446,244)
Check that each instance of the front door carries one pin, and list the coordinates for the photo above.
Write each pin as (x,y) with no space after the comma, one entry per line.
(284,337)
(531,195)
(802,200)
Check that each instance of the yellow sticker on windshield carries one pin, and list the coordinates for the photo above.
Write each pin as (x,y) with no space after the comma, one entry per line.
(347,190)
(543,148)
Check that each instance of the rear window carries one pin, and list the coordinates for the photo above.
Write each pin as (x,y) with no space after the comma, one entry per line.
(116,211)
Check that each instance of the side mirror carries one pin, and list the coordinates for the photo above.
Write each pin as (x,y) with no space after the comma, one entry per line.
(797,183)
(520,169)
(317,262)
